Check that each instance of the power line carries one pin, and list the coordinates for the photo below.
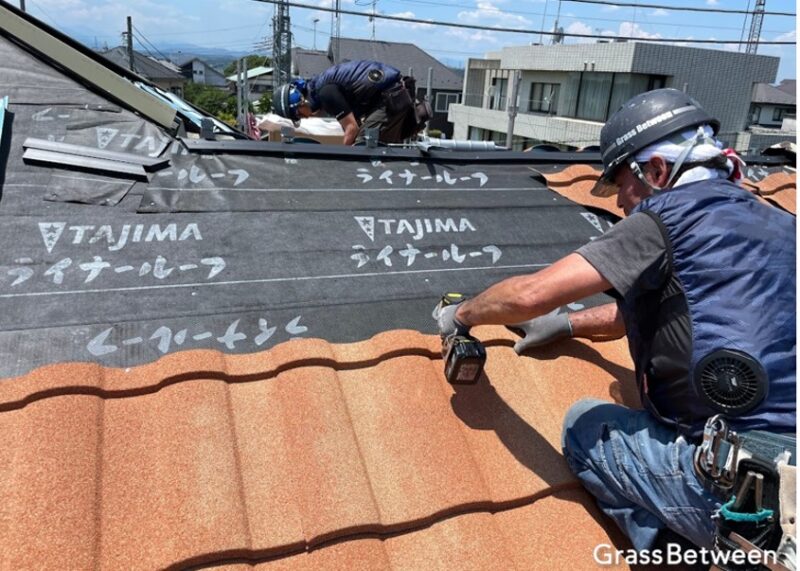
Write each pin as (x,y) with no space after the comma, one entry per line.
(138,34)
(581,18)
(677,8)
(514,30)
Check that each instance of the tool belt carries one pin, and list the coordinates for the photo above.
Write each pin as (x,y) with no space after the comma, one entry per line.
(753,474)
(397,99)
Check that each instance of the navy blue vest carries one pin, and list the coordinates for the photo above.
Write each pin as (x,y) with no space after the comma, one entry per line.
(361,83)
(732,287)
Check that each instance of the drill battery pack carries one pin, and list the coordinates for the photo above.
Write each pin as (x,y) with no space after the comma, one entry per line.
(464,360)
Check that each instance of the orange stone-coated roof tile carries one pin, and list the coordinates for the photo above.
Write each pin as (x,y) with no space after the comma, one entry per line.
(777,189)
(575,183)
(523,538)
(204,458)
(786,199)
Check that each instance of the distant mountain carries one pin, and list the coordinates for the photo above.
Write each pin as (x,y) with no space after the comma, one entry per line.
(181,52)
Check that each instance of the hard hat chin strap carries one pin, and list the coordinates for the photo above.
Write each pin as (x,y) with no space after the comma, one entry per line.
(698,138)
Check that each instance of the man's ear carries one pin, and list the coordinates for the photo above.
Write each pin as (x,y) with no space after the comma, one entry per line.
(659,171)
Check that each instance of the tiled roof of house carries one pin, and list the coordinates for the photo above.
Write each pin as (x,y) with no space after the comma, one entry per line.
(310,454)
(788,86)
(402,56)
(308,63)
(144,65)
(766,93)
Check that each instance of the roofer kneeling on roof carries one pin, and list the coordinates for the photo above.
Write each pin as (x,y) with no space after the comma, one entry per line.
(704,278)
(361,95)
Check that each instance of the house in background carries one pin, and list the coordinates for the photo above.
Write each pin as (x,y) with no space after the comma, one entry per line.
(567,92)
(446,85)
(198,71)
(164,74)
(771,105)
(788,86)
(308,63)
(259,82)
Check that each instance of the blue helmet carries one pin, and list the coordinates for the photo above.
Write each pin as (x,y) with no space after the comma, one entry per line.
(288,97)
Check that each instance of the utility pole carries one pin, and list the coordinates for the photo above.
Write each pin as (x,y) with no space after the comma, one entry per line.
(315,33)
(336,30)
(744,23)
(245,97)
(755,27)
(516,76)
(558,37)
(22,5)
(544,15)
(129,42)
(372,19)
(281,43)
(239,93)
(428,94)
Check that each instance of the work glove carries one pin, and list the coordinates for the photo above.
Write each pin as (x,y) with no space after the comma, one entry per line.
(542,330)
(448,324)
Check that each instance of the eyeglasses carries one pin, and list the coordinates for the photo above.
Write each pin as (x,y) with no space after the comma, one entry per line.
(606,186)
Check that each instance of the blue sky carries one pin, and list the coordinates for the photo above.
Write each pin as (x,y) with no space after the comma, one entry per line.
(242,25)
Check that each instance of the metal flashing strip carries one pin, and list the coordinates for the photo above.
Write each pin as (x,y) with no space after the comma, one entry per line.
(89,163)
(341,151)
(71,59)
(149,164)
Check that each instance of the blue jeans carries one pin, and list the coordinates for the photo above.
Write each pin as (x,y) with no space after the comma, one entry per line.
(639,470)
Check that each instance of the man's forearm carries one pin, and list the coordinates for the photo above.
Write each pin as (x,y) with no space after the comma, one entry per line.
(350,128)
(523,297)
(350,134)
(602,322)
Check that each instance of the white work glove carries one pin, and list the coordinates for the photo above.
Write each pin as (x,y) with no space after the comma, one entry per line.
(448,324)
(542,330)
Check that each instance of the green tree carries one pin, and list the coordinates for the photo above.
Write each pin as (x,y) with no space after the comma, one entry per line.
(264,103)
(253,60)
(210,99)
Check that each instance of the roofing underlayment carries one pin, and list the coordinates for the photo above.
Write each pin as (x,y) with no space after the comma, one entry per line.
(221,353)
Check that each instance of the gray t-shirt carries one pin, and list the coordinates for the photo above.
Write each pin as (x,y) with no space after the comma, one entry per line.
(634,249)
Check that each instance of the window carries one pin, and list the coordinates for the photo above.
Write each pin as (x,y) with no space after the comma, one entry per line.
(497,91)
(655,82)
(778,113)
(544,98)
(625,86)
(444,100)
(597,95)
(594,96)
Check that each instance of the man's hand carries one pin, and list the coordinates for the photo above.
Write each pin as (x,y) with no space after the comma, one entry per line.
(542,330)
(448,324)
(350,127)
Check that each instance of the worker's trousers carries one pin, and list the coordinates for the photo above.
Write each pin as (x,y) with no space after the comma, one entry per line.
(639,470)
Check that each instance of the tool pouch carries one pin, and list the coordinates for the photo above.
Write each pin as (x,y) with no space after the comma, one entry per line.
(397,99)
(748,521)
(423,112)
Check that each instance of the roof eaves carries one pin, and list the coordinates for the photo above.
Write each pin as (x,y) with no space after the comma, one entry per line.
(63,51)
